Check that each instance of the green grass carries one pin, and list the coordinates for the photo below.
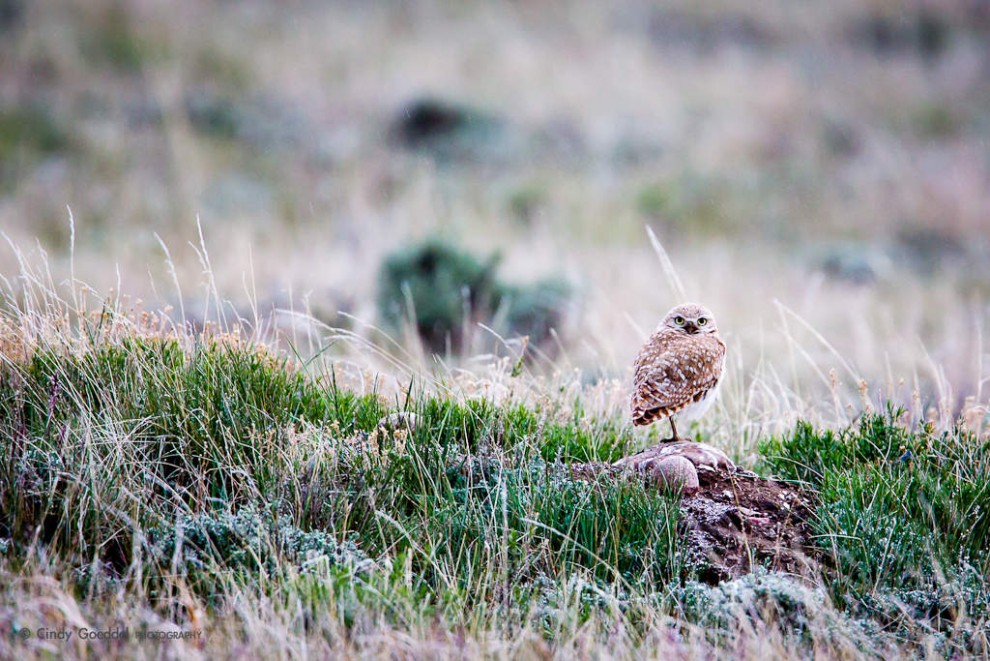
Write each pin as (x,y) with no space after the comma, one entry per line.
(153,467)
(28,134)
(921,498)
(904,516)
(152,427)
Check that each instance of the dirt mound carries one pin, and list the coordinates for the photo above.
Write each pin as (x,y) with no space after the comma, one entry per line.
(737,521)
(733,520)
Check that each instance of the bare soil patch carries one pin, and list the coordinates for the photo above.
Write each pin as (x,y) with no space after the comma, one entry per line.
(737,522)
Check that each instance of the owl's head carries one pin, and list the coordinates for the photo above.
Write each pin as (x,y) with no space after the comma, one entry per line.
(690,318)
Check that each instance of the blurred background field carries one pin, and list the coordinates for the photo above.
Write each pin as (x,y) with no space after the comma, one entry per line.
(309,309)
(818,173)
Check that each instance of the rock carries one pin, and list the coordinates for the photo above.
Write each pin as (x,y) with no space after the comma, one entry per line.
(674,474)
(701,455)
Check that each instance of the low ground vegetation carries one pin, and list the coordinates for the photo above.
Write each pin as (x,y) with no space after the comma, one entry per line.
(206,481)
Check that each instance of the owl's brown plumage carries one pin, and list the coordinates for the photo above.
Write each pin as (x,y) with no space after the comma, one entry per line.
(679,367)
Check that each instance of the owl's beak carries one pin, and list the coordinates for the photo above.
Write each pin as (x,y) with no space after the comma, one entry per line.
(690,328)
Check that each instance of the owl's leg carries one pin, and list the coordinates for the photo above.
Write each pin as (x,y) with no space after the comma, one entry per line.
(673,429)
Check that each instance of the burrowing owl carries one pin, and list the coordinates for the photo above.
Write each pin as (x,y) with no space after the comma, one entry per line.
(678,369)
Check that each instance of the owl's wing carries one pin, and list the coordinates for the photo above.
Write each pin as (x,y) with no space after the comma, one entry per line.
(672,372)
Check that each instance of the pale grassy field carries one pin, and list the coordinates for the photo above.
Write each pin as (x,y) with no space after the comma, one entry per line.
(220,159)
(757,146)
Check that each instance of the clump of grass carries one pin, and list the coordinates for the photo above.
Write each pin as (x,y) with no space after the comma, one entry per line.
(903,514)
(809,454)
(106,438)
(547,523)
(187,404)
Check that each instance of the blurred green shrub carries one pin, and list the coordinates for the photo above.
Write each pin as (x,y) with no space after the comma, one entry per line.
(654,201)
(30,129)
(27,134)
(440,285)
(691,203)
(525,202)
(114,43)
(935,120)
(215,116)
(443,289)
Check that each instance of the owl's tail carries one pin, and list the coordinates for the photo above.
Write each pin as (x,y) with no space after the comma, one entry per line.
(642,417)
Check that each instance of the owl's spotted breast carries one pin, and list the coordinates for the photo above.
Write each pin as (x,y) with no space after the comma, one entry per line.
(675,370)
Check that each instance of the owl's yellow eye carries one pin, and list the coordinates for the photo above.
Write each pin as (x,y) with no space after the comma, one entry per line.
(679,321)
(702,321)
